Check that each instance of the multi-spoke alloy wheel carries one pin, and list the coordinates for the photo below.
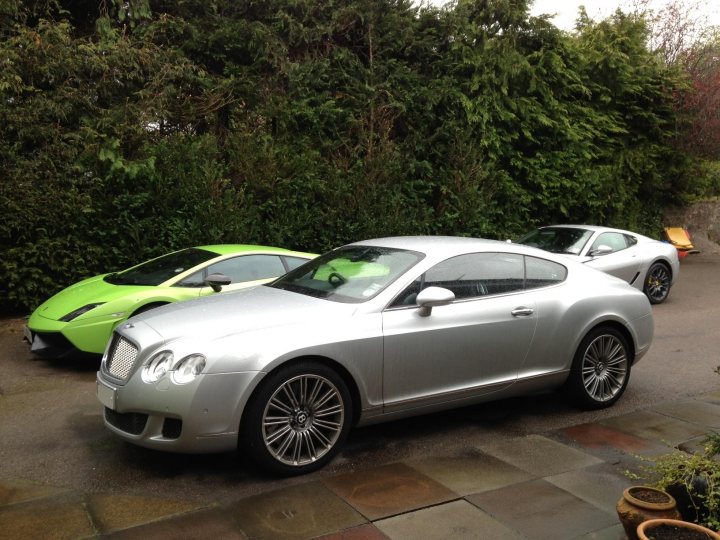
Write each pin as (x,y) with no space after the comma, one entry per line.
(657,283)
(297,419)
(601,368)
(303,420)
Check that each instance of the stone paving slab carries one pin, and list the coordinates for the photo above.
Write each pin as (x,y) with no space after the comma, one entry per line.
(616,532)
(111,512)
(206,524)
(626,452)
(541,511)
(598,437)
(458,520)
(19,491)
(712,397)
(361,532)
(297,512)
(540,456)
(654,426)
(471,472)
(54,518)
(694,411)
(600,485)
(389,490)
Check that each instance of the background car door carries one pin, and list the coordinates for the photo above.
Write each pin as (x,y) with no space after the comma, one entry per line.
(622,262)
(474,345)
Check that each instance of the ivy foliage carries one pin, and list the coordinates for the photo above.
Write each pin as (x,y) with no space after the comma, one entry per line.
(138,127)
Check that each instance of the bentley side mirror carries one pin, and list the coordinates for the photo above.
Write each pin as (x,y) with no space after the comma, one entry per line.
(432,297)
(216,281)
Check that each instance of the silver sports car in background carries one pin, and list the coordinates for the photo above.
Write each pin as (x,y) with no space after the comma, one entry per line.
(648,265)
(369,332)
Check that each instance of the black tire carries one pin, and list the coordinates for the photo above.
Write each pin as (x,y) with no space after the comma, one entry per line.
(601,369)
(657,283)
(282,430)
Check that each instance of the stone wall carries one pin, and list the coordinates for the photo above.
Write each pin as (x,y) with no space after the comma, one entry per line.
(702,219)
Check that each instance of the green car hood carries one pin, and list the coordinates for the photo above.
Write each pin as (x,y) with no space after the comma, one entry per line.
(93,290)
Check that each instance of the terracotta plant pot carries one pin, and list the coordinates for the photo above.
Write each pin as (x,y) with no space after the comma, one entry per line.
(642,503)
(671,529)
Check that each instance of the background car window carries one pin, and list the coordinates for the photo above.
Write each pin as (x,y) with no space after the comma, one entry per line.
(248,268)
(239,269)
(158,270)
(616,241)
(194,280)
(293,262)
(569,240)
(540,273)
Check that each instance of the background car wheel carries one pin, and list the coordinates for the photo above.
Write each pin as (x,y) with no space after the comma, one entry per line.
(657,283)
(297,419)
(600,370)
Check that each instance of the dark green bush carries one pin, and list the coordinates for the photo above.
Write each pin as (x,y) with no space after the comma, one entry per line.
(158,125)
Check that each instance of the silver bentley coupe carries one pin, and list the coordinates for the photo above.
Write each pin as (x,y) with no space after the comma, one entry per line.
(369,332)
(648,265)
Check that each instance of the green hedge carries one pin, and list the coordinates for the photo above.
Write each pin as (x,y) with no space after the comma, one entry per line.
(306,124)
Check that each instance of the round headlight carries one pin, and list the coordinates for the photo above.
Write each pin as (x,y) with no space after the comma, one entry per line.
(188,368)
(158,366)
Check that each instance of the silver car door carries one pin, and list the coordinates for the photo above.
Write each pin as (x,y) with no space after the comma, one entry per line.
(473,346)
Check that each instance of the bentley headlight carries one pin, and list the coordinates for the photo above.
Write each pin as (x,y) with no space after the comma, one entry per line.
(75,314)
(158,366)
(188,368)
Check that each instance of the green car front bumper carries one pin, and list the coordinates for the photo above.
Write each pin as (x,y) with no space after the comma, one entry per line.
(57,339)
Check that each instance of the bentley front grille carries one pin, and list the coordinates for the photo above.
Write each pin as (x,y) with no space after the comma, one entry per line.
(121,357)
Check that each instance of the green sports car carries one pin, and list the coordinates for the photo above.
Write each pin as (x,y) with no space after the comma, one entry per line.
(81,318)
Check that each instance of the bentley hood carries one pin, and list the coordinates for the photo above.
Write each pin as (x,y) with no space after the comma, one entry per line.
(259,308)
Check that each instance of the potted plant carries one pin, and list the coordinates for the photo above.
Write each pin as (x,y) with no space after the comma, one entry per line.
(693,479)
(673,529)
(642,503)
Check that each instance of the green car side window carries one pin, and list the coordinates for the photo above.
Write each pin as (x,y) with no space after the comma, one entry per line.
(193,280)
(239,269)
(249,268)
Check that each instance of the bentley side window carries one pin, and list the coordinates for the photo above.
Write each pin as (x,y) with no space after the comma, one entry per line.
(470,276)
(541,273)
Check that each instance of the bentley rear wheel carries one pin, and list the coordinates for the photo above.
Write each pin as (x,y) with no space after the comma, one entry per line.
(601,369)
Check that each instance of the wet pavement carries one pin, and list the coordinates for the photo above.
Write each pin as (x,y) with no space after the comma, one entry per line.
(527,468)
(562,484)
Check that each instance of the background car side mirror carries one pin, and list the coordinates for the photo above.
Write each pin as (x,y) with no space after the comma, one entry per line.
(602,249)
(432,297)
(216,281)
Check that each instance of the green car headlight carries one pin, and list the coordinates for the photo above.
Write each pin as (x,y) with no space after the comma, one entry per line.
(75,314)
(158,366)
(188,368)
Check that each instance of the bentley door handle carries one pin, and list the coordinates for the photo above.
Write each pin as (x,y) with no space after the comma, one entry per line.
(522,312)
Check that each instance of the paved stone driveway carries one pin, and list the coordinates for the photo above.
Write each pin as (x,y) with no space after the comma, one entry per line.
(558,485)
